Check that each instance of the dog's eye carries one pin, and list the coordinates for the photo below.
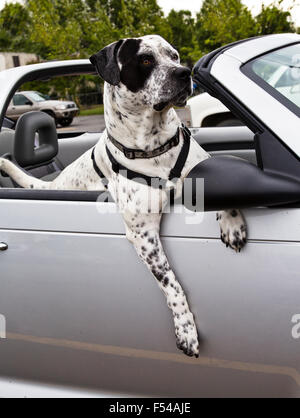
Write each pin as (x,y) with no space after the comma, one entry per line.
(146,62)
(175,57)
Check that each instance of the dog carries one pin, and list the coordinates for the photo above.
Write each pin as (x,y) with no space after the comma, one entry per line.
(144,80)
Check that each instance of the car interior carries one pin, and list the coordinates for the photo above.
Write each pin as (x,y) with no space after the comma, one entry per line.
(236,141)
(59,149)
(41,150)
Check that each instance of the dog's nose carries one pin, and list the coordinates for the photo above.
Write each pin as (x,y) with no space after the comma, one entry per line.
(183,73)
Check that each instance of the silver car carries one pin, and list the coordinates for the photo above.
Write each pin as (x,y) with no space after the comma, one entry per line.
(81,316)
(27,101)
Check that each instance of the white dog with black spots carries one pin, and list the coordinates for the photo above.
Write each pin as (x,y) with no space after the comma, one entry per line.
(143,81)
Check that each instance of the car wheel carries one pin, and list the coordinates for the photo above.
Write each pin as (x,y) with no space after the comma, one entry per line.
(230,122)
(52,115)
(65,122)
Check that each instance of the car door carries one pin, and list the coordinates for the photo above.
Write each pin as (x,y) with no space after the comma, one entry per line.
(83,312)
(20,105)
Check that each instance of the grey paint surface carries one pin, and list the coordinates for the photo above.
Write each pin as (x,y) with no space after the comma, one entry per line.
(82,310)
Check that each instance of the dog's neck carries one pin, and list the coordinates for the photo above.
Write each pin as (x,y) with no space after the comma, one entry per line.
(137,126)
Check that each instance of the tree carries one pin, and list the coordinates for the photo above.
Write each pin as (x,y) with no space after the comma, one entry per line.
(14,28)
(62,28)
(221,22)
(133,17)
(182,27)
(273,19)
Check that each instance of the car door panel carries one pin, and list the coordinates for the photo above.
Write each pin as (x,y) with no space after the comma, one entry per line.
(89,217)
(82,309)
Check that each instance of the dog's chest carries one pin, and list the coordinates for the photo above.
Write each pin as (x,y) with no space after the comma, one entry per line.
(132,195)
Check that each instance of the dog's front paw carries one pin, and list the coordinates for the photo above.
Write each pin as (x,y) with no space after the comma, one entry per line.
(187,336)
(233,229)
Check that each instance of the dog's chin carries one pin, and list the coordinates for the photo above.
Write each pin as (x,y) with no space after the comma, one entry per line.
(160,106)
(179,101)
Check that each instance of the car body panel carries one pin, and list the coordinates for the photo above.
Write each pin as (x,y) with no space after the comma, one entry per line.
(14,112)
(95,323)
(258,101)
(252,48)
(17,388)
(103,218)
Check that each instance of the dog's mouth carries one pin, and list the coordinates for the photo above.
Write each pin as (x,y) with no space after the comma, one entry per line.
(179,100)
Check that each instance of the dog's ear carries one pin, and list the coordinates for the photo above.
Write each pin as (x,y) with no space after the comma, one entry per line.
(106,63)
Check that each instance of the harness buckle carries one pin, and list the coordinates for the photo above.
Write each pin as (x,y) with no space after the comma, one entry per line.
(129,154)
(175,141)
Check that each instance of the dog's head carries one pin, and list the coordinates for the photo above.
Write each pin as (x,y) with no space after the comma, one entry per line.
(149,67)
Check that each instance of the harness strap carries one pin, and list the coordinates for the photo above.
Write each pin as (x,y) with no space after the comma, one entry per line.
(182,157)
(155,182)
(132,153)
(98,171)
(96,168)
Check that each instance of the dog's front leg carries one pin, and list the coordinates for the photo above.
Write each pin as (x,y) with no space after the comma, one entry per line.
(233,228)
(143,232)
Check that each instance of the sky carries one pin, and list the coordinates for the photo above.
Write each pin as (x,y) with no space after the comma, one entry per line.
(194,6)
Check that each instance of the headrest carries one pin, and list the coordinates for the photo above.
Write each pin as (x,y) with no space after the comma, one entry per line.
(26,152)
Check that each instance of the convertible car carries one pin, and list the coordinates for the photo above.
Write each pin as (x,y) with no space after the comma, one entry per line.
(80,314)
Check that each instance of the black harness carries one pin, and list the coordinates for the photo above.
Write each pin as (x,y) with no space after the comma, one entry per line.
(155,182)
(132,154)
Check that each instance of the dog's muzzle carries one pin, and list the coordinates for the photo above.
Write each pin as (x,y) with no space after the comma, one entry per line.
(183,74)
(181,85)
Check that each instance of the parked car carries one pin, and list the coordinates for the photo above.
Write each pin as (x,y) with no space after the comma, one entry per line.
(207,111)
(83,316)
(27,101)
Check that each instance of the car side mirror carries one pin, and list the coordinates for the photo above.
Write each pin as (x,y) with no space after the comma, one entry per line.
(29,103)
(231,182)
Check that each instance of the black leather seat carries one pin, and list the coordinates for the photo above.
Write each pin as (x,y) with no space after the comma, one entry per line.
(33,146)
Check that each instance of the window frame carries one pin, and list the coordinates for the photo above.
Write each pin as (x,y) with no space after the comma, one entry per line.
(247,70)
(20,95)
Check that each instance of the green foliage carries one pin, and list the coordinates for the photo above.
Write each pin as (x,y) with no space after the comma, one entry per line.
(182,37)
(221,22)
(14,28)
(66,29)
(96,110)
(273,19)
(131,17)
(62,28)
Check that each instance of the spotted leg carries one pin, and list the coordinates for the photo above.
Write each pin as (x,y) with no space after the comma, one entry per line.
(233,228)
(143,232)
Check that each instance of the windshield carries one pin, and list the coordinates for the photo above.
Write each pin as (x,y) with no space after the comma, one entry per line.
(35,96)
(281,70)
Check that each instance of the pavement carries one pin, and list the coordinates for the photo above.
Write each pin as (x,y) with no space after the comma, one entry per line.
(95,123)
